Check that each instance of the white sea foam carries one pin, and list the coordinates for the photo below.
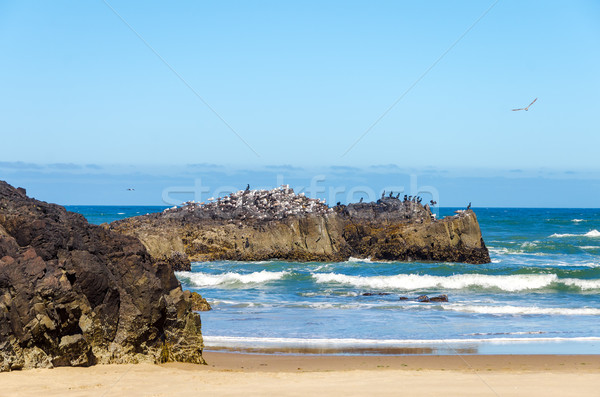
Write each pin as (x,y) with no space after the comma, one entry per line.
(217,302)
(328,293)
(359,260)
(508,333)
(206,280)
(529,244)
(514,251)
(258,342)
(583,284)
(577,220)
(509,283)
(584,311)
(499,251)
(592,233)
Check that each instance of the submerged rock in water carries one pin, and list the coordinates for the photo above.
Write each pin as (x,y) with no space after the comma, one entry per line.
(255,225)
(76,294)
(441,298)
(425,298)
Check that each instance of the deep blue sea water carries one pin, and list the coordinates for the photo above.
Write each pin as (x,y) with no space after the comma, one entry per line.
(540,294)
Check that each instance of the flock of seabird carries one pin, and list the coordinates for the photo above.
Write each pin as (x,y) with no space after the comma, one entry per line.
(407,198)
(277,203)
(283,202)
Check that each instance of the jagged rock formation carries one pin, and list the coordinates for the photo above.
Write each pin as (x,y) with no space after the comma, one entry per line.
(278,224)
(392,229)
(76,294)
(199,303)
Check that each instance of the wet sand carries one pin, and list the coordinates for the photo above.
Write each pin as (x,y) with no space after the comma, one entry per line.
(229,374)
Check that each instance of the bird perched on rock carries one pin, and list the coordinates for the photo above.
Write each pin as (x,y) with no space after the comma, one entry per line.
(469,206)
(525,109)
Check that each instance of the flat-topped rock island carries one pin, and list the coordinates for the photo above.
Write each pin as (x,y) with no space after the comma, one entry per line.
(256,225)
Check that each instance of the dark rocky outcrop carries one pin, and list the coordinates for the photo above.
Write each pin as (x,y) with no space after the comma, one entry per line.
(396,230)
(199,304)
(279,224)
(178,261)
(441,298)
(76,294)
(425,298)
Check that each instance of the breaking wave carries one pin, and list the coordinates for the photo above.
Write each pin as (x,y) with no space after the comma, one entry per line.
(592,233)
(238,341)
(208,280)
(584,311)
(510,283)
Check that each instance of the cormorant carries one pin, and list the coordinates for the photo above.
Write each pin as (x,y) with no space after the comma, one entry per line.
(469,206)
(405,197)
(247,187)
(383,195)
(361,200)
(391,193)
(398,196)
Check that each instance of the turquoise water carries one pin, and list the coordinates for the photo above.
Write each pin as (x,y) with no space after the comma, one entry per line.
(98,214)
(539,295)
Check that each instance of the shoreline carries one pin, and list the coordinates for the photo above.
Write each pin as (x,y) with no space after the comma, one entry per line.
(228,374)
(244,362)
(391,347)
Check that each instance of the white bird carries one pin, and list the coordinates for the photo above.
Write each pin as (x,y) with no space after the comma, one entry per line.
(527,108)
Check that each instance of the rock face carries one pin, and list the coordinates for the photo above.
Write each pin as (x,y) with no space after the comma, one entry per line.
(397,230)
(78,294)
(278,224)
(199,304)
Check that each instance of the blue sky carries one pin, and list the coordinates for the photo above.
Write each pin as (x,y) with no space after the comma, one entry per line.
(300,82)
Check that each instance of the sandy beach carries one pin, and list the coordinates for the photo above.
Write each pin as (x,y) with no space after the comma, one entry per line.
(229,374)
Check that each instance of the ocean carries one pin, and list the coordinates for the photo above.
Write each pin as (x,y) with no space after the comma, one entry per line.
(540,294)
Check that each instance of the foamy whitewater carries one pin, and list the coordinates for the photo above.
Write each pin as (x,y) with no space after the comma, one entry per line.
(540,294)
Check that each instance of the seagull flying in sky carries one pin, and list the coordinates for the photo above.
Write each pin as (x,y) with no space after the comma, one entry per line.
(527,108)
(130,190)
